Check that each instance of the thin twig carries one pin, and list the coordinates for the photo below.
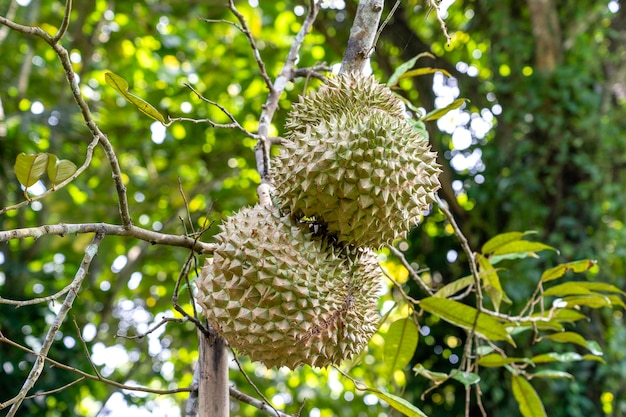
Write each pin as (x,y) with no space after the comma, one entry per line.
(260,405)
(262,148)
(86,375)
(63,229)
(444,28)
(193,318)
(386,21)
(97,134)
(35,373)
(233,125)
(398,286)
(412,272)
(65,23)
(83,343)
(255,50)
(252,384)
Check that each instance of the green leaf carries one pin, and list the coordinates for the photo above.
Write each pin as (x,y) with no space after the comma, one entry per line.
(59,169)
(121,86)
(439,113)
(454,287)
(599,286)
(560,270)
(399,403)
(568,288)
(30,168)
(424,71)
(530,404)
(502,239)
(557,357)
(494,360)
(575,338)
(568,315)
(464,316)
(549,373)
(400,343)
(594,301)
(466,378)
(404,67)
(521,247)
(491,282)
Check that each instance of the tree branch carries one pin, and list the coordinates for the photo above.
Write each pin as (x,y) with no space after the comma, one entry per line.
(260,405)
(262,149)
(155,238)
(362,36)
(35,373)
(71,78)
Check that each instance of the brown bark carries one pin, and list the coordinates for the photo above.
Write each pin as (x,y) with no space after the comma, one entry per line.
(547,33)
(213,395)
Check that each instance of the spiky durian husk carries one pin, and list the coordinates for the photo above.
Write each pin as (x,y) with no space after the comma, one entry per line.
(367,177)
(284,297)
(346,93)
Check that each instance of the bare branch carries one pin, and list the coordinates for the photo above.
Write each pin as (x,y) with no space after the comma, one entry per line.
(71,78)
(260,405)
(35,373)
(262,148)
(62,229)
(65,23)
(265,400)
(412,272)
(362,36)
(233,125)
(444,28)
(86,375)
(467,351)
(32,301)
(255,50)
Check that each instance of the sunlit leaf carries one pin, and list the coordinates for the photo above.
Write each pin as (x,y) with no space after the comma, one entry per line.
(594,301)
(501,240)
(530,404)
(552,374)
(521,247)
(494,360)
(568,288)
(466,378)
(568,315)
(454,287)
(404,67)
(121,86)
(30,168)
(464,316)
(399,403)
(560,270)
(400,343)
(439,113)
(491,282)
(424,71)
(557,357)
(572,337)
(59,169)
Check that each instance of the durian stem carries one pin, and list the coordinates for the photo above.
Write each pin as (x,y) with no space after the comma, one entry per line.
(213,394)
(362,36)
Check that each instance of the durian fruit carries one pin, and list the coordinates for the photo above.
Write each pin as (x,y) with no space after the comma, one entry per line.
(359,168)
(347,93)
(284,297)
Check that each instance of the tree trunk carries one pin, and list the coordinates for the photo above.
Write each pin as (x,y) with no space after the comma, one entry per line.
(213,392)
